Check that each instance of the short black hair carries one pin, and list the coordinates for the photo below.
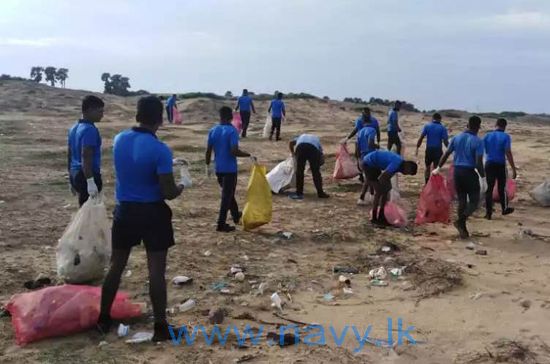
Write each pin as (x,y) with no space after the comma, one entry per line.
(92,102)
(366,109)
(245,91)
(149,110)
(280,95)
(410,166)
(474,122)
(437,116)
(226,113)
(501,123)
(175,95)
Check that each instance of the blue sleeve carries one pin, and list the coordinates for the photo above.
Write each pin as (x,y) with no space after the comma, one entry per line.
(90,138)
(234,139)
(164,162)
(357,125)
(508,144)
(451,145)
(479,149)
(210,139)
(424,130)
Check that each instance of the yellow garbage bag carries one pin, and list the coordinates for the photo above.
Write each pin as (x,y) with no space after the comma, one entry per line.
(257,210)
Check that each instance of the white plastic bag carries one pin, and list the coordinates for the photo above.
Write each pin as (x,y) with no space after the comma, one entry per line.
(282,175)
(541,193)
(267,127)
(394,193)
(84,250)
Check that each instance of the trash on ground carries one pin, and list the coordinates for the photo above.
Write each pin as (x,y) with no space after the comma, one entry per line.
(181,280)
(328,297)
(276,301)
(123,330)
(239,276)
(218,286)
(261,288)
(378,273)
(345,280)
(378,283)
(216,316)
(187,305)
(236,269)
(481,252)
(207,253)
(471,246)
(525,304)
(397,272)
(128,273)
(285,234)
(287,339)
(140,337)
(40,282)
(348,290)
(341,269)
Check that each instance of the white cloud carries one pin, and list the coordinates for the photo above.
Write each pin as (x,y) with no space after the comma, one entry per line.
(528,20)
(36,42)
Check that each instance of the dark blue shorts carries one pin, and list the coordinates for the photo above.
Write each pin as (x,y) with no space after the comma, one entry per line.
(134,222)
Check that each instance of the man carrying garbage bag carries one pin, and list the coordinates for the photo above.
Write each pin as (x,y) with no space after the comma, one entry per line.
(223,139)
(144,179)
(84,151)
(468,157)
(380,166)
(436,135)
(307,148)
(244,106)
(278,112)
(498,148)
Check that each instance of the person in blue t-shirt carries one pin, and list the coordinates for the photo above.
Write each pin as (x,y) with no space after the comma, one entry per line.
(245,105)
(170,106)
(144,179)
(468,157)
(307,148)
(393,128)
(436,135)
(278,112)
(84,151)
(223,139)
(364,121)
(498,148)
(379,167)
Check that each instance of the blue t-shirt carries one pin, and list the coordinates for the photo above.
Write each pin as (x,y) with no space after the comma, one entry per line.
(171,102)
(373,123)
(384,160)
(466,147)
(363,138)
(393,119)
(436,134)
(245,103)
(84,134)
(277,108)
(222,138)
(496,144)
(309,139)
(139,158)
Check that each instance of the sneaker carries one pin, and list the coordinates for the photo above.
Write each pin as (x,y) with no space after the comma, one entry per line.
(295,196)
(225,228)
(237,219)
(161,332)
(104,324)
(461,228)
(323,195)
(508,211)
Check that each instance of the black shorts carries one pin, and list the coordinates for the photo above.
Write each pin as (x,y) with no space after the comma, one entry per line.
(135,222)
(372,173)
(393,137)
(433,155)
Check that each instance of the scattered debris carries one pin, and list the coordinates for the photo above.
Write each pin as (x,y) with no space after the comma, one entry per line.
(378,283)
(140,337)
(525,304)
(471,246)
(276,301)
(261,288)
(504,351)
(433,276)
(123,330)
(378,273)
(285,234)
(40,282)
(218,286)
(216,316)
(239,276)
(182,280)
(286,340)
(128,273)
(348,290)
(397,272)
(187,305)
(102,343)
(207,253)
(344,280)
(341,269)
(481,252)
(328,297)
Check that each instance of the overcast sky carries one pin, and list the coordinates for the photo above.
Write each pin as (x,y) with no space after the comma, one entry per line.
(480,55)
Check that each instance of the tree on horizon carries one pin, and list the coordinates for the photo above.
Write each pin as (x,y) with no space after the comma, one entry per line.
(61,75)
(50,75)
(36,73)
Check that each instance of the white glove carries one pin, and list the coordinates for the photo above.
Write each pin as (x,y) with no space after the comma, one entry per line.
(483,184)
(185,177)
(436,171)
(179,162)
(93,191)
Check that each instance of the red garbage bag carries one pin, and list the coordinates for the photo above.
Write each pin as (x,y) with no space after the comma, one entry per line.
(511,189)
(345,166)
(62,310)
(451,189)
(435,202)
(177,116)
(395,214)
(237,122)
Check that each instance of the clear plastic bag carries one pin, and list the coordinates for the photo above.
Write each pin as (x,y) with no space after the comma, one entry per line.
(84,250)
(267,127)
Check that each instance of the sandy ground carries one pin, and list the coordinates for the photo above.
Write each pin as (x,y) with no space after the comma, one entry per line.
(465,308)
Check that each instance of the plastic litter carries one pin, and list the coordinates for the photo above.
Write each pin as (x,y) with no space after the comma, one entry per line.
(239,276)
(267,127)
(282,175)
(397,272)
(123,330)
(541,194)
(328,297)
(207,253)
(470,246)
(481,252)
(261,288)
(345,167)
(378,283)
(434,204)
(276,301)
(378,273)
(286,234)
(349,270)
(181,280)
(187,305)
(216,316)
(140,337)
(348,290)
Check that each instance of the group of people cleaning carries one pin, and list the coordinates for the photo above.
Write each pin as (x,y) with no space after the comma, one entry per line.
(144,171)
